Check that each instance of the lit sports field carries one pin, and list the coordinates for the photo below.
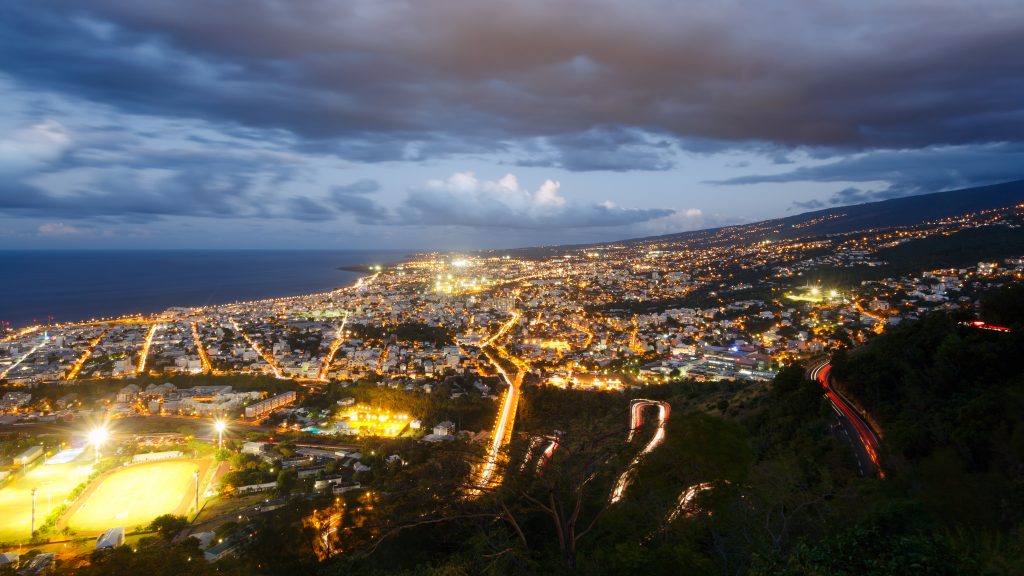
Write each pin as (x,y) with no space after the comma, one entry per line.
(135,495)
(52,482)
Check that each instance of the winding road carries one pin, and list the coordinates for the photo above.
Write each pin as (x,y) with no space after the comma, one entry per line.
(636,420)
(864,439)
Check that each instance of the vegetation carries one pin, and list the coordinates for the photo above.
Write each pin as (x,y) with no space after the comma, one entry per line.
(773,481)
(157,557)
(404,332)
(962,249)
(786,496)
(168,525)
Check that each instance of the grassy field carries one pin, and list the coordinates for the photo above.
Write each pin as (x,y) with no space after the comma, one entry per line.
(135,495)
(52,483)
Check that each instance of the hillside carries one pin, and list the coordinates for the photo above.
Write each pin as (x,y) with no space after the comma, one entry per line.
(905,211)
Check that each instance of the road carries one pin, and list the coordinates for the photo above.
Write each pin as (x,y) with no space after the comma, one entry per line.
(23,358)
(863,438)
(204,358)
(505,421)
(77,366)
(503,425)
(339,339)
(879,320)
(268,358)
(145,349)
(636,420)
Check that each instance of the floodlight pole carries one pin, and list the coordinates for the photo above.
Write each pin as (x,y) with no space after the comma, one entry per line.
(196,474)
(32,533)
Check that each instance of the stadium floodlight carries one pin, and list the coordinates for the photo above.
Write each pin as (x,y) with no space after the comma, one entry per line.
(220,425)
(97,436)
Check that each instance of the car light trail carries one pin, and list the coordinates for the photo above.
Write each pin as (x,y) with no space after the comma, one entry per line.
(77,366)
(145,348)
(984,326)
(203,356)
(502,428)
(867,437)
(268,358)
(502,432)
(684,505)
(339,339)
(636,419)
(534,443)
(545,455)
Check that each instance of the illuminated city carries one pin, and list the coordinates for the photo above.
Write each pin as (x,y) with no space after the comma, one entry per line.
(458,288)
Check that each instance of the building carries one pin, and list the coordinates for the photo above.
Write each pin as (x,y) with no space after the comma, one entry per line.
(28,456)
(269,405)
(41,564)
(156,456)
(254,448)
(445,428)
(112,538)
(9,560)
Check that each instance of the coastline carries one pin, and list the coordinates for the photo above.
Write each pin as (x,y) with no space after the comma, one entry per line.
(66,287)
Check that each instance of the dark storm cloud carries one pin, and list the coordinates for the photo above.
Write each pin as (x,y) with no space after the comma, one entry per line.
(354,199)
(809,204)
(907,172)
(148,184)
(612,148)
(123,195)
(308,209)
(112,173)
(369,77)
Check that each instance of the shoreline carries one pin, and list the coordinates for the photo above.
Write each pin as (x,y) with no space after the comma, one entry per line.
(361,270)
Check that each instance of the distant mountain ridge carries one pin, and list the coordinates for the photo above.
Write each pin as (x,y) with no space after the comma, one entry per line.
(904,211)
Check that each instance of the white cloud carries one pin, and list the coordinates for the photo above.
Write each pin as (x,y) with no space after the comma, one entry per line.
(465,200)
(58,229)
(34,146)
(684,220)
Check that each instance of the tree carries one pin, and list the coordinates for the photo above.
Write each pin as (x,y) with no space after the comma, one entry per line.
(286,480)
(168,525)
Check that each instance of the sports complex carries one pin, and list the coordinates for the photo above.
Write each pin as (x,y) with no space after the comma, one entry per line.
(134,495)
(53,484)
(128,496)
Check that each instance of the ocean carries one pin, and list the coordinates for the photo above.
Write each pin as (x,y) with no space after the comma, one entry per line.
(72,285)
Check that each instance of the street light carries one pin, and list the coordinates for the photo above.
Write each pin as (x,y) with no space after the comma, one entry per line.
(220,425)
(97,436)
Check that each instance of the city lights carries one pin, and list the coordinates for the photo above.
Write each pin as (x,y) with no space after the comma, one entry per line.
(97,437)
(220,425)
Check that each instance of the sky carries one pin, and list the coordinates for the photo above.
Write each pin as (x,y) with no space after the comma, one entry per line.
(462,124)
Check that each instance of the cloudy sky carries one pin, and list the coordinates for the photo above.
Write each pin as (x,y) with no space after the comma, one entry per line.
(475,123)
